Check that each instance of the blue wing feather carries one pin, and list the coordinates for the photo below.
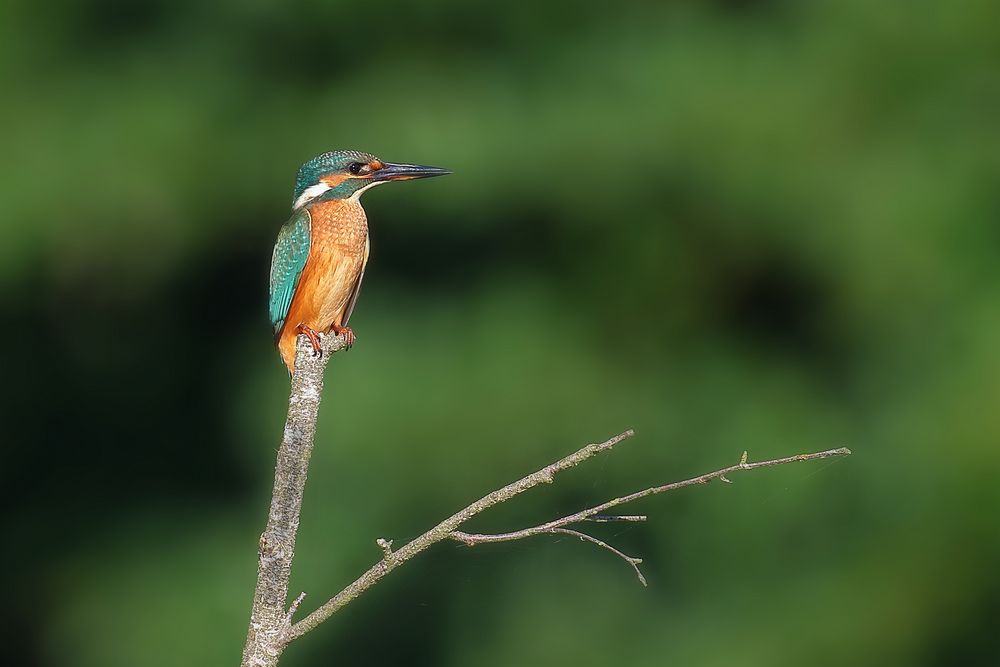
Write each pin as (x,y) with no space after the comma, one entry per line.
(291,251)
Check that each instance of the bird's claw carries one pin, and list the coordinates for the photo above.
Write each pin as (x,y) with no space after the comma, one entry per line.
(317,347)
(347,334)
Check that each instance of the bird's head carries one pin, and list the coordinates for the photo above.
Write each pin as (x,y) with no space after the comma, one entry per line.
(346,174)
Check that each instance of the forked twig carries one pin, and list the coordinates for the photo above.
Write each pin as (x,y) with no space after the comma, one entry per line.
(593,513)
(448,529)
(271,627)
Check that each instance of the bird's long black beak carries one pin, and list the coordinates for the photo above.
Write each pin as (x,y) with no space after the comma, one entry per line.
(403,172)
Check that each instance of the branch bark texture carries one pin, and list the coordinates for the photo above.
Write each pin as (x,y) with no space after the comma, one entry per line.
(269,619)
(271,626)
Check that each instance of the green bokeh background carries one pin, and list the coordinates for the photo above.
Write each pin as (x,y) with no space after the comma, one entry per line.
(761,225)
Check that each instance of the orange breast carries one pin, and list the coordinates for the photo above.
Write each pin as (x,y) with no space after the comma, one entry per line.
(337,254)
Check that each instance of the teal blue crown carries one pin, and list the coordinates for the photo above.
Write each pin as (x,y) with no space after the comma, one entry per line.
(332,162)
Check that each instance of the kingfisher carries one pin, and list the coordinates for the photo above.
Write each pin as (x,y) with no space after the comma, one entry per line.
(320,256)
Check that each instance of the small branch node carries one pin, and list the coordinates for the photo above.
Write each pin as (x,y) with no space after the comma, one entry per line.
(743,459)
(294,608)
(725,479)
(386,547)
(463,537)
(261,544)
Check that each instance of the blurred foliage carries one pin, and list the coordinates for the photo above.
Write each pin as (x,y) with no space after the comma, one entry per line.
(740,224)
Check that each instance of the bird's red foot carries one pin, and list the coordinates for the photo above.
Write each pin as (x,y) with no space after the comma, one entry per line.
(313,339)
(346,333)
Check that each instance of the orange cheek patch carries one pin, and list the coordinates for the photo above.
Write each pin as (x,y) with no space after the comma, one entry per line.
(376,165)
(334,180)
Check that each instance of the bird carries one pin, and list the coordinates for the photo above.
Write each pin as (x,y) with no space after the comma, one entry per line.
(321,252)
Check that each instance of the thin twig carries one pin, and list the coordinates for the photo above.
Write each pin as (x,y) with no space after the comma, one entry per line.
(634,562)
(448,529)
(584,515)
(294,608)
(444,529)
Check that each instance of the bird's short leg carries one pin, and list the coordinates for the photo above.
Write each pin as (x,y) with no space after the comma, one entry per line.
(313,339)
(345,332)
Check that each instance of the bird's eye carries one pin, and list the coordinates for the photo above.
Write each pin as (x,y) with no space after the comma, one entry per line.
(355,168)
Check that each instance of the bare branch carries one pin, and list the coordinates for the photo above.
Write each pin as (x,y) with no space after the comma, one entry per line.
(269,622)
(634,562)
(471,540)
(609,518)
(448,529)
(271,627)
(589,514)
(444,529)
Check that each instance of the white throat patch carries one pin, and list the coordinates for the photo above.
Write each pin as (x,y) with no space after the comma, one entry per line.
(357,195)
(309,194)
(320,188)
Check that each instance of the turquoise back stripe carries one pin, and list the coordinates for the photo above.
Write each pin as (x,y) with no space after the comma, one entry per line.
(291,251)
